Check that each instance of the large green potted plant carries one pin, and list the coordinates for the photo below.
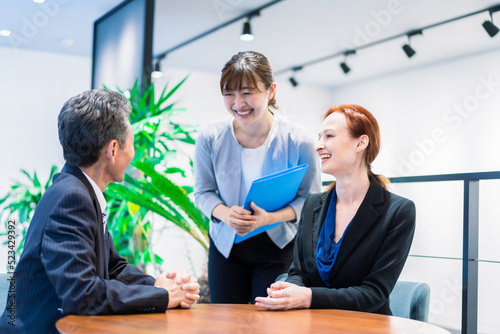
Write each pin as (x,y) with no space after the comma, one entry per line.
(19,205)
(148,185)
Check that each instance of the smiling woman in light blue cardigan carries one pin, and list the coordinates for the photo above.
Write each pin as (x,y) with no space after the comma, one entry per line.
(218,174)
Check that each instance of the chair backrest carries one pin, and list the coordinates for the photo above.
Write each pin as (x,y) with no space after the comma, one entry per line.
(410,300)
(4,289)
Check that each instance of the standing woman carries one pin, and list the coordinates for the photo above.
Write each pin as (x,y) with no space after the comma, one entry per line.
(354,238)
(230,154)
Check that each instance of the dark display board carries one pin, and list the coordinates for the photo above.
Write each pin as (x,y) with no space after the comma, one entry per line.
(123,46)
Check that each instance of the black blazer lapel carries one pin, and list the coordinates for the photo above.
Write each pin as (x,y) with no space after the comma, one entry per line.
(365,219)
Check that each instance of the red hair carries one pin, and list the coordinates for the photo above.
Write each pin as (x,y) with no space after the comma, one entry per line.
(361,122)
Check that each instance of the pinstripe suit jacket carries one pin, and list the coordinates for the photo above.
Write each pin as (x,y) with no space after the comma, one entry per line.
(69,266)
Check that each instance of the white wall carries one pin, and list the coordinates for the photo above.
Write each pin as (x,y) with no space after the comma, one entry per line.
(33,87)
(438,120)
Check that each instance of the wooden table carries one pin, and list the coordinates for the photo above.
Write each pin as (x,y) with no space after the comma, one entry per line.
(229,318)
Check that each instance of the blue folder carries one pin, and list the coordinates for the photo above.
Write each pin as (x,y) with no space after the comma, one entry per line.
(273,192)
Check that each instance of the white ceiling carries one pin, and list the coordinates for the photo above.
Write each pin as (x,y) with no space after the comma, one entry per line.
(289,33)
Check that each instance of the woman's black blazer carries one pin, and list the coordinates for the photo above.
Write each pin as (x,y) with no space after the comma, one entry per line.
(371,257)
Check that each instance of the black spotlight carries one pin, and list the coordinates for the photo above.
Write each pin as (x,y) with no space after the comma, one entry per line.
(490,28)
(247,32)
(408,50)
(344,67)
(157,73)
(293,82)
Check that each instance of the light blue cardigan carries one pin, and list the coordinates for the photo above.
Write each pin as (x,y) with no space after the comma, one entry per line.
(217,171)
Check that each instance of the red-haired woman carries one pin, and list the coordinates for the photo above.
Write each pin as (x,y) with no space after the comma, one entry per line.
(354,238)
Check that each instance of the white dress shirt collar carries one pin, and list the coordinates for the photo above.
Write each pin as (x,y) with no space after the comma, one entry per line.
(98,193)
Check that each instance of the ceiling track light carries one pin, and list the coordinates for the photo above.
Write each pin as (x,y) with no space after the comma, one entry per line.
(489,26)
(247,35)
(292,79)
(247,15)
(157,73)
(343,65)
(346,69)
(5,32)
(410,52)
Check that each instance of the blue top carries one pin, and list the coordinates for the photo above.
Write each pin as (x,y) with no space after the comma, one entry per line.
(327,249)
(217,174)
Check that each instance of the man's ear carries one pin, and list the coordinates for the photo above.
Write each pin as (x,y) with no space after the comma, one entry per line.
(111,149)
(363,142)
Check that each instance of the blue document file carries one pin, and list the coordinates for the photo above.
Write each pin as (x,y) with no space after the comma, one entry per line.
(273,192)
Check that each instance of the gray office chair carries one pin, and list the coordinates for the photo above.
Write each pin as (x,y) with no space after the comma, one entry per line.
(410,300)
(4,288)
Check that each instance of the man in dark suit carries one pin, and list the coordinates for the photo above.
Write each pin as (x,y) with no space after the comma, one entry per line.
(69,264)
